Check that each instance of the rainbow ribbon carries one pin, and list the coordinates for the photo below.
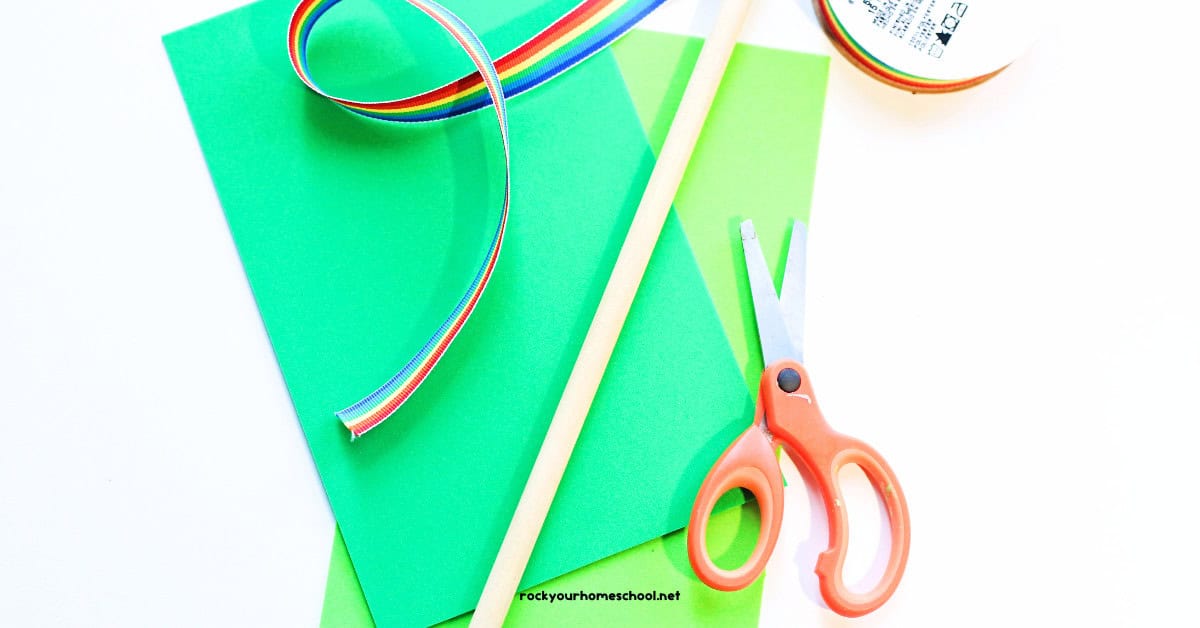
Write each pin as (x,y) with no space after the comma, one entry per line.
(585,30)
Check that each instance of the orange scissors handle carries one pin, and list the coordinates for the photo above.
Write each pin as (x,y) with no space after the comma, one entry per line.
(748,463)
(830,563)
(795,420)
(788,415)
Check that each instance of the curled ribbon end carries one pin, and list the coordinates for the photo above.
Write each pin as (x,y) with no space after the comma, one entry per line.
(583,31)
(357,424)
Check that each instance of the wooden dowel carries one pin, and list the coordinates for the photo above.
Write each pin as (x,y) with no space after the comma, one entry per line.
(610,316)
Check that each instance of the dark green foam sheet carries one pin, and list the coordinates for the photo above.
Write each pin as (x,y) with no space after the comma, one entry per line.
(358,236)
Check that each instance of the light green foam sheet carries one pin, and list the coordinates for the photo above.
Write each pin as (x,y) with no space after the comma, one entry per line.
(756,159)
(357,236)
(659,565)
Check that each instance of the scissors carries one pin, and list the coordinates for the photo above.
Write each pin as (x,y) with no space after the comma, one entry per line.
(787,415)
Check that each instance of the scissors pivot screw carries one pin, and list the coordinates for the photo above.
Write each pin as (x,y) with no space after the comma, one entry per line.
(789,380)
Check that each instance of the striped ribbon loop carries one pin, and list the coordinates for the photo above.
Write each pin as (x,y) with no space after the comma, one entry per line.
(585,30)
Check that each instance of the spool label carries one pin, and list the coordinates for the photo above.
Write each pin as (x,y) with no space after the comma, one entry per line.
(939,39)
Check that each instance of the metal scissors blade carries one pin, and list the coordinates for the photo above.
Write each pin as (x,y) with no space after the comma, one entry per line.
(791,295)
(774,336)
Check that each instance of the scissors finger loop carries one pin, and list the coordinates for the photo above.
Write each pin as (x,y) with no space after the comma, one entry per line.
(829,566)
(749,463)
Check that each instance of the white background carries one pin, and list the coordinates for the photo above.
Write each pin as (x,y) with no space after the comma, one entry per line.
(1003,299)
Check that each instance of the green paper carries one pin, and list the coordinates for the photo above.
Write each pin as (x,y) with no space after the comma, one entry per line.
(658,565)
(356,236)
(344,606)
(756,159)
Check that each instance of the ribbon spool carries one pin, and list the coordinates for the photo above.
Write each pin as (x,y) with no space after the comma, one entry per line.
(929,46)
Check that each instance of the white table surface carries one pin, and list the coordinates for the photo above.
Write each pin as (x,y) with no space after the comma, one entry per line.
(1003,299)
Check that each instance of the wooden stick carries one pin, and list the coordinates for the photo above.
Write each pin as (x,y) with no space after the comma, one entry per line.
(610,317)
